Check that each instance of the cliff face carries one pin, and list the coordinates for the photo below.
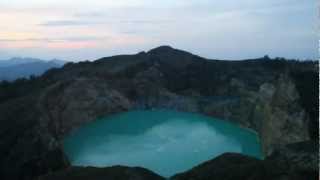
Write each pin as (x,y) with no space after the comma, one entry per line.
(258,94)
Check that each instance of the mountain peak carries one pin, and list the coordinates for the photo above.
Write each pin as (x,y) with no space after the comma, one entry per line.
(162,49)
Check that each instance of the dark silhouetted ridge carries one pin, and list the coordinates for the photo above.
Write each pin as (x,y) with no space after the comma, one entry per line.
(168,50)
(162,49)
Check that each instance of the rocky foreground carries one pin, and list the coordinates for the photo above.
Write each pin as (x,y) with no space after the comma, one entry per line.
(274,97)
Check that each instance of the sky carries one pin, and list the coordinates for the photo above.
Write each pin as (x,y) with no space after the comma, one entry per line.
(218,29)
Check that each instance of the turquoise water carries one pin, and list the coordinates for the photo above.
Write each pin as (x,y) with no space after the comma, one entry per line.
(166,142)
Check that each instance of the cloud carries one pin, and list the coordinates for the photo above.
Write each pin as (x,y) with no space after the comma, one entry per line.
(88,23)
(53,40)
(69,23)
(163,21)
(233,29)
(66,42)
(92,14)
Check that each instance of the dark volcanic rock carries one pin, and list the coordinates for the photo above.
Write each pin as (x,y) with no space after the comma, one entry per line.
(228,166)
(109,173)
(294,162)
(25,148)
(276,98)
(299,158)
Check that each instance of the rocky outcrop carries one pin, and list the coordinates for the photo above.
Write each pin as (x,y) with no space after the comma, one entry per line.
(260,94)
(282,119)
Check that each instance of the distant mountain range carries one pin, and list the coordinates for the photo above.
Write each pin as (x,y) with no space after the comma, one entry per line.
(15,68)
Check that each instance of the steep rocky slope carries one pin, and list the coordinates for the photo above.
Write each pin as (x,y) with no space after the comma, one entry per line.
(268,96)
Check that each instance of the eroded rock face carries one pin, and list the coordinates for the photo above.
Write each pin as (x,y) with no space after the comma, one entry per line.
(283,120)
(79,101)
(258,94)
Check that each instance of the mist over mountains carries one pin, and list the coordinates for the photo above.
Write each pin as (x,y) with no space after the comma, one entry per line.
(17,67)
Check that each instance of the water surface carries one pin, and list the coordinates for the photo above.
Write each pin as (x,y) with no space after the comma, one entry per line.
(166,142)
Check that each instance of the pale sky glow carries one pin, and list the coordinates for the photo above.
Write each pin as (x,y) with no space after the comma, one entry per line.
(229,29)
